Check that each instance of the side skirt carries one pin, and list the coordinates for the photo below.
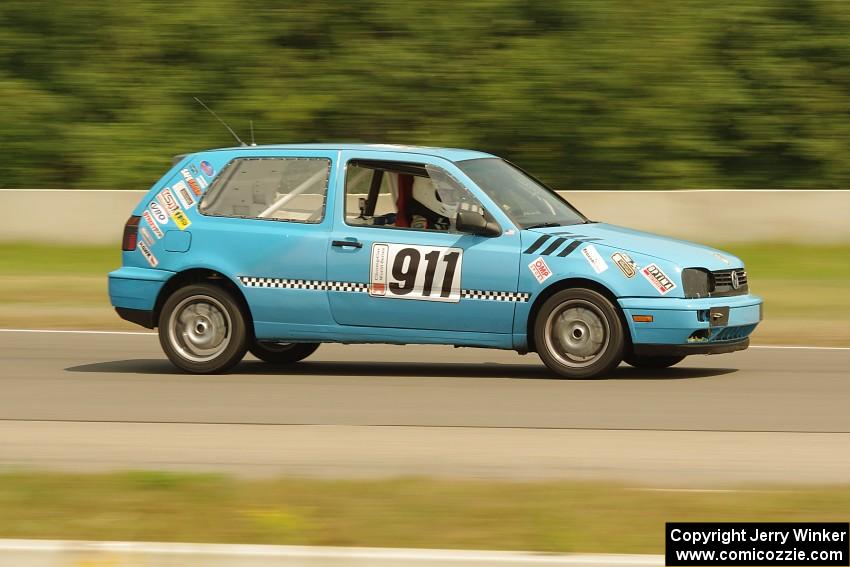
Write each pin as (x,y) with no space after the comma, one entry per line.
(285,332)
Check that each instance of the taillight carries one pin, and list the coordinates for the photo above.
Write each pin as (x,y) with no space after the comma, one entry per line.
(131,234)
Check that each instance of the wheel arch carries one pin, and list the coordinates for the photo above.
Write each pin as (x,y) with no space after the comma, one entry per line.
(209,276)
(573,283)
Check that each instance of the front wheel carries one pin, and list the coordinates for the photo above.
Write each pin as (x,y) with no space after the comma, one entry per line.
(578,334)
(202,329)
(652,362)
(282,353)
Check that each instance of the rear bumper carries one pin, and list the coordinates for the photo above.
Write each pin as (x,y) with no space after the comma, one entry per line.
(692,326)
(141,317)
(133,293)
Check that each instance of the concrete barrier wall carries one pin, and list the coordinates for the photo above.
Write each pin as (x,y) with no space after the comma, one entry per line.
(46,553)
(97,217)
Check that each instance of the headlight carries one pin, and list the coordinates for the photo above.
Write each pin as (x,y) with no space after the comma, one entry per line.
(696,282)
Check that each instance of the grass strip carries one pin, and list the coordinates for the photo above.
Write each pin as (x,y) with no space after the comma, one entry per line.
(407,512)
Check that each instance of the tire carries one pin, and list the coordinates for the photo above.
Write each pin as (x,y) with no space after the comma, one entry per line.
(282,353)
(578,334)
(202,329)
(652,362)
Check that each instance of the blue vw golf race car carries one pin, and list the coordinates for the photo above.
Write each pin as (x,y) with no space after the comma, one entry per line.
(276,249)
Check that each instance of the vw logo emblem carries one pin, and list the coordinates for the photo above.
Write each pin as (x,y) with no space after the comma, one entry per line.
(735,282)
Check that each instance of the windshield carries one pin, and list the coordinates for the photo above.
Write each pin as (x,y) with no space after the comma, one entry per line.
(527,202)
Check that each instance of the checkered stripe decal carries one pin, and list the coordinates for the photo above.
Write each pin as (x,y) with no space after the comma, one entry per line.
(353,287)
(494,295)
(303,284)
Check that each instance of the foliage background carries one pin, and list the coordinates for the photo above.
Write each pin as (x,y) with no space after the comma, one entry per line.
(646,94)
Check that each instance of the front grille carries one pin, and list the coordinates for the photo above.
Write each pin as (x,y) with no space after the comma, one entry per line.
(733,333)
(723,280)
(721,335)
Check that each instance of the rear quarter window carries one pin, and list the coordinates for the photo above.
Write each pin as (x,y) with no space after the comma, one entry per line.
(282,189)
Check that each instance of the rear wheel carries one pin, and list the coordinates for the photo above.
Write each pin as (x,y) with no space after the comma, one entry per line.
(202,329)
(282,353)
(650,362)
(578,334)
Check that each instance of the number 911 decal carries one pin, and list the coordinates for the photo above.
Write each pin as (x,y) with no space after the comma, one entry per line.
(426,273)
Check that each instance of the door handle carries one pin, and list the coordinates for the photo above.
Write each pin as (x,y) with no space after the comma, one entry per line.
(352,243)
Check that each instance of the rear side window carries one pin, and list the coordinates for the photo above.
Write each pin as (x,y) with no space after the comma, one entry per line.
(284,189)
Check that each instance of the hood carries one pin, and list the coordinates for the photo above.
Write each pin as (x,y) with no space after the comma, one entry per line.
(680,252)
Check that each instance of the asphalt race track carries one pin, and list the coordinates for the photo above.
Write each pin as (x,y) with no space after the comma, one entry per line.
(90,401)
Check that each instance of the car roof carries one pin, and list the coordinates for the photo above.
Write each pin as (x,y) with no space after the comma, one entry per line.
(451,154)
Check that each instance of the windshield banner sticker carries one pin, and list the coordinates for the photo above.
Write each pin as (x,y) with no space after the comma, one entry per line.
(658,279)
(405,271)
(591,254)
(625,263)
(540,270)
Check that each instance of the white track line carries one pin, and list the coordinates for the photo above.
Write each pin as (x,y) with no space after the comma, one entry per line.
(84,332)
(708,490)
(75,331)
(200,554)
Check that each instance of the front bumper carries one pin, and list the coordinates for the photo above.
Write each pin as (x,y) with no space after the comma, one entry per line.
(692,326)
(719,347)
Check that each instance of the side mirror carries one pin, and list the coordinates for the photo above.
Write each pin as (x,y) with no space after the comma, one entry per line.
(475,223)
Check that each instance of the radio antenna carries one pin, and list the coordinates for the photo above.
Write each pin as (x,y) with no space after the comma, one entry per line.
(253,143)
(223,123)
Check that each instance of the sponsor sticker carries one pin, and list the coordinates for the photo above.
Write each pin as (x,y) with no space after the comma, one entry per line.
(207,168)
(183,193)
(146,236)
(201,182)
(378,278)
(152,223)
(658,279)
(625,263)
(146,252)
(167,200)
(180,219)
(193,185)
(158,213)
(193,169)
(596,261)
(540,270)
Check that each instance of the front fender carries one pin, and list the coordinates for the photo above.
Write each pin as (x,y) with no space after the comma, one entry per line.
(589,264)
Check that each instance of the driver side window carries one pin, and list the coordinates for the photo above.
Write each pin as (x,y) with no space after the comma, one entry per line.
(404,195)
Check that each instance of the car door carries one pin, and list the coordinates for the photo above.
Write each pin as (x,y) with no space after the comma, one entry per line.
(383,275)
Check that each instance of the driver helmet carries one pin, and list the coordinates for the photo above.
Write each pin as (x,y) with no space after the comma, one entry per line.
(427,195)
